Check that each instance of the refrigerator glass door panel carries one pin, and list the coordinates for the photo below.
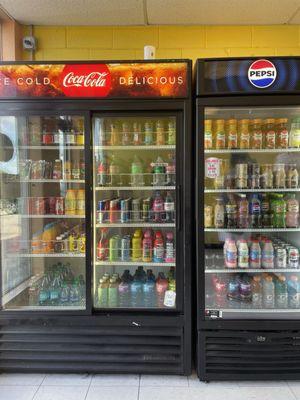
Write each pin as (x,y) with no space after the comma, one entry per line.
(135,212)
(42,212)
(251,212)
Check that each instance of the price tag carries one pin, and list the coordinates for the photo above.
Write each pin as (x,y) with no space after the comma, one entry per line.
(170,298)
(212,167)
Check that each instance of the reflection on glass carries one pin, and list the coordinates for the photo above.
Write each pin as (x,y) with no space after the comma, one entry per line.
(251,210)
(134,214)
(42,212)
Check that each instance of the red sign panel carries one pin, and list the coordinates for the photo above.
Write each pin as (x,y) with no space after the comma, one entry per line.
(143,80)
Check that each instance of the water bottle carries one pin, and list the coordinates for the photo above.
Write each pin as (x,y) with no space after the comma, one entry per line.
(268,292)
(65,294)
(124,292)
(74,292)
(44,293)
(281,292)
(293,292)
(149,290)
(136,292)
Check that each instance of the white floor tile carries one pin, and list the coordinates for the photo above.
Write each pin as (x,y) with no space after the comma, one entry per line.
(115,380)
(61,393)
(293,383)
(17,392)
(112,393)
(262,384)
(164,380)
(21,379)
(296,390)
(67,380)
(266,393)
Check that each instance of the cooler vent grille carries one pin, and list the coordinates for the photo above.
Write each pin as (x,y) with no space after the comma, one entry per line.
(53,346)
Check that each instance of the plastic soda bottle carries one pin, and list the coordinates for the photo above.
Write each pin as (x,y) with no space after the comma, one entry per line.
(126,136)
(147,246)
(159,172)
(137,176)
(257,293)
(158,208)
(149,290)
(268,292)
(255,211)
(114,135)
(293,292)
(102,247)
(137,134)
(292,215)
(158,248)
(102,172)
(281,292)
(136,245)
(171,170)
(114,172)
(170,249)
(169,208)
(243,212)
(245,288)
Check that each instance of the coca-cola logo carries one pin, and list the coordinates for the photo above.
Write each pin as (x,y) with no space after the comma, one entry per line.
(85,80)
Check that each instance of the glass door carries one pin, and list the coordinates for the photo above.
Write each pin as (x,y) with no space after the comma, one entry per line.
(251,212)
(134,212)
(42,212)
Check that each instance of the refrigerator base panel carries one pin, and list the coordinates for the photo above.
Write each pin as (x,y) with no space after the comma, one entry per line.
(93,345)
(248,355)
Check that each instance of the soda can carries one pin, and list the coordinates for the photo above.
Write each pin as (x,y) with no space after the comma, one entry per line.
(52,205)
(136,210)
(38,206)
(114,208)
(293,257)
(146,209)
(280,256)
(114,248)
(125,210)
(59,205)
(102,209)
(125,248)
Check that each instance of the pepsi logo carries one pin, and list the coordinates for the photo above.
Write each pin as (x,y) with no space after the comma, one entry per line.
(262,74)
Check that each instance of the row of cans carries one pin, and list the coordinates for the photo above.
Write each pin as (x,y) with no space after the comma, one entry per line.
(286,255)
(41,205)
(124,210)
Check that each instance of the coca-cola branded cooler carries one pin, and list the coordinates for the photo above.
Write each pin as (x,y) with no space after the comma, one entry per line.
(96,216)
(248,218)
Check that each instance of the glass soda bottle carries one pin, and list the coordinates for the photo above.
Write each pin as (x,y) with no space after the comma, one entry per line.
(282,133)
(232,135)
(243,212)
(220,134)
(114,134)
(256,139)
(269,133)
(243,134)
(169,208)
(208,136)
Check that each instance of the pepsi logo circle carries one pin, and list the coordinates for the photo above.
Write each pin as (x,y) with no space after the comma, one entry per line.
(262,73)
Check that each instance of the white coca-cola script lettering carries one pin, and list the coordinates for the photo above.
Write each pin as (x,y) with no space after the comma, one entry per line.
(93,79)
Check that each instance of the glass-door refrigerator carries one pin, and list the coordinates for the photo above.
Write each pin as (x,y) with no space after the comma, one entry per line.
(95,203)
(247,200)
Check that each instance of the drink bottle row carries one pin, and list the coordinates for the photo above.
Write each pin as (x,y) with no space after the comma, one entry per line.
(59,169)
(57,287)
(142,289)
(147,246)
(72,204)
(158,209)
(272,210)
(250,175)
(116,172)
(54,131)
(258,291)
(125,134)
(256,133)
(259,252)
(59,237)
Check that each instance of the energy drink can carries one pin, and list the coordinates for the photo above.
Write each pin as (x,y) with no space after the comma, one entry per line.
(102,211)
(136,210)
(125,248)
(146,210)
(114,210)
(114,248)
(125,210)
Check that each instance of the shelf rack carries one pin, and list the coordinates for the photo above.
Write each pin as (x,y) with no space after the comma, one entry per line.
(54,147)
(249,270)
(218,230)
(140,147)
(134,263)
(142,188)
(234,151)
(136,225)
(250,190)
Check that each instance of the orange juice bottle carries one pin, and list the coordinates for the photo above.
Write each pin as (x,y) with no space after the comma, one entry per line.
(208,137)
(70,202)
(232,136)
(220,134)
(80,202)
(244,134)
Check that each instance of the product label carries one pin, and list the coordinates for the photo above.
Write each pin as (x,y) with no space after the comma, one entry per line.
(170,298)
(212,167)
(169,206)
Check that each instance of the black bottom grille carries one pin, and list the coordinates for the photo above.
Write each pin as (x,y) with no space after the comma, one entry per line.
(248,355)
(59,346)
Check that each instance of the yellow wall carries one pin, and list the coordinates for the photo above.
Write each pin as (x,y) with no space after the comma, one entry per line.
(92,43)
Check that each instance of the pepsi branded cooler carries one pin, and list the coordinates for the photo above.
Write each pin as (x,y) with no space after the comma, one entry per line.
(95,211)
(247,217)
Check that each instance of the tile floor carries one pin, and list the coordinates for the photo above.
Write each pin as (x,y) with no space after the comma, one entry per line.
(135,387)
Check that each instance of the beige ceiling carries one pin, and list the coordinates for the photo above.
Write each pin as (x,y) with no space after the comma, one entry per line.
(153,12)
